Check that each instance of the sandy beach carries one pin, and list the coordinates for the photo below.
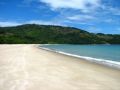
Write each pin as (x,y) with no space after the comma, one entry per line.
(25,67)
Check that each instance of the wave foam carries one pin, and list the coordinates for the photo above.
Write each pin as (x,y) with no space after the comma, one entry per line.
(96,60)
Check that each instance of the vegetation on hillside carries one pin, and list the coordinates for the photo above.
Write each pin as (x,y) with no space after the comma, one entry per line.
(48,34)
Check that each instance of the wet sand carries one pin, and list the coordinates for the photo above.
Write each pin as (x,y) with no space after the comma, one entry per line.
(25,67)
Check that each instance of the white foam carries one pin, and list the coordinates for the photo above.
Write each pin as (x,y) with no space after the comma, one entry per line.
(96,60)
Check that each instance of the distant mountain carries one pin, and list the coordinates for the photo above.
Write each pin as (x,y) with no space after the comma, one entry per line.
(48,34)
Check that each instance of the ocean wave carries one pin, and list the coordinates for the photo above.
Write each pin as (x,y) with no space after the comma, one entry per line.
(91,59)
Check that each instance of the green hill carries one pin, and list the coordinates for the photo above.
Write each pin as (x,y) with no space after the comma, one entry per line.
(48,34)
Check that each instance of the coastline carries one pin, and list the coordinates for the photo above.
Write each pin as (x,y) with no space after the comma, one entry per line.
(27,67)
(107,63)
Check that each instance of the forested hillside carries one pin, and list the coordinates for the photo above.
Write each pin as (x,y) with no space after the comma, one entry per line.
(48,34)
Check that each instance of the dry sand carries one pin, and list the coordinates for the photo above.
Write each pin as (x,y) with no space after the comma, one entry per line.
(25,67)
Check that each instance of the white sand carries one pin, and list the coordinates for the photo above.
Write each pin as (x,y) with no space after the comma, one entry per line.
(25,67)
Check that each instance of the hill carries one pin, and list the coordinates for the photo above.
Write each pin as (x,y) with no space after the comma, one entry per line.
(48,34)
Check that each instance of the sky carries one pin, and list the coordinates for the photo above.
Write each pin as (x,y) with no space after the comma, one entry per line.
(97,16)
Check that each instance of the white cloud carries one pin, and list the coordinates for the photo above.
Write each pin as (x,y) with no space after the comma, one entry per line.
(83,5)
(81,17)
(43,22)
(110,9)
(115,11)
(4,24)
(109,20)
(39,22)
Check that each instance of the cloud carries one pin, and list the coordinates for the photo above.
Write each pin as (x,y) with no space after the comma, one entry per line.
(83,5)
(86,11)
(81,17)
(4,24)
(39,22)
(110,20)
(110,9)
(115,11)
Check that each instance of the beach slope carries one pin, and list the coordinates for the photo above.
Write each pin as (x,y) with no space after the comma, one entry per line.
(25,67)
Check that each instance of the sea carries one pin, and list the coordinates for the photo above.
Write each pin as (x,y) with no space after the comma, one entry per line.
(102,54)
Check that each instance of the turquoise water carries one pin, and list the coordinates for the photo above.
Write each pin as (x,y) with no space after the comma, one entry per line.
(102,52)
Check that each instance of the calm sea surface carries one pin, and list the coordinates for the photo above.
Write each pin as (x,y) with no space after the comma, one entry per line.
(103,52)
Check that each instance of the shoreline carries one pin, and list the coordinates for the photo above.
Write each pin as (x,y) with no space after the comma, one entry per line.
(107,63)
(26,67)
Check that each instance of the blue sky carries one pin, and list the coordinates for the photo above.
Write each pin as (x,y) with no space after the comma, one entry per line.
(98,16)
